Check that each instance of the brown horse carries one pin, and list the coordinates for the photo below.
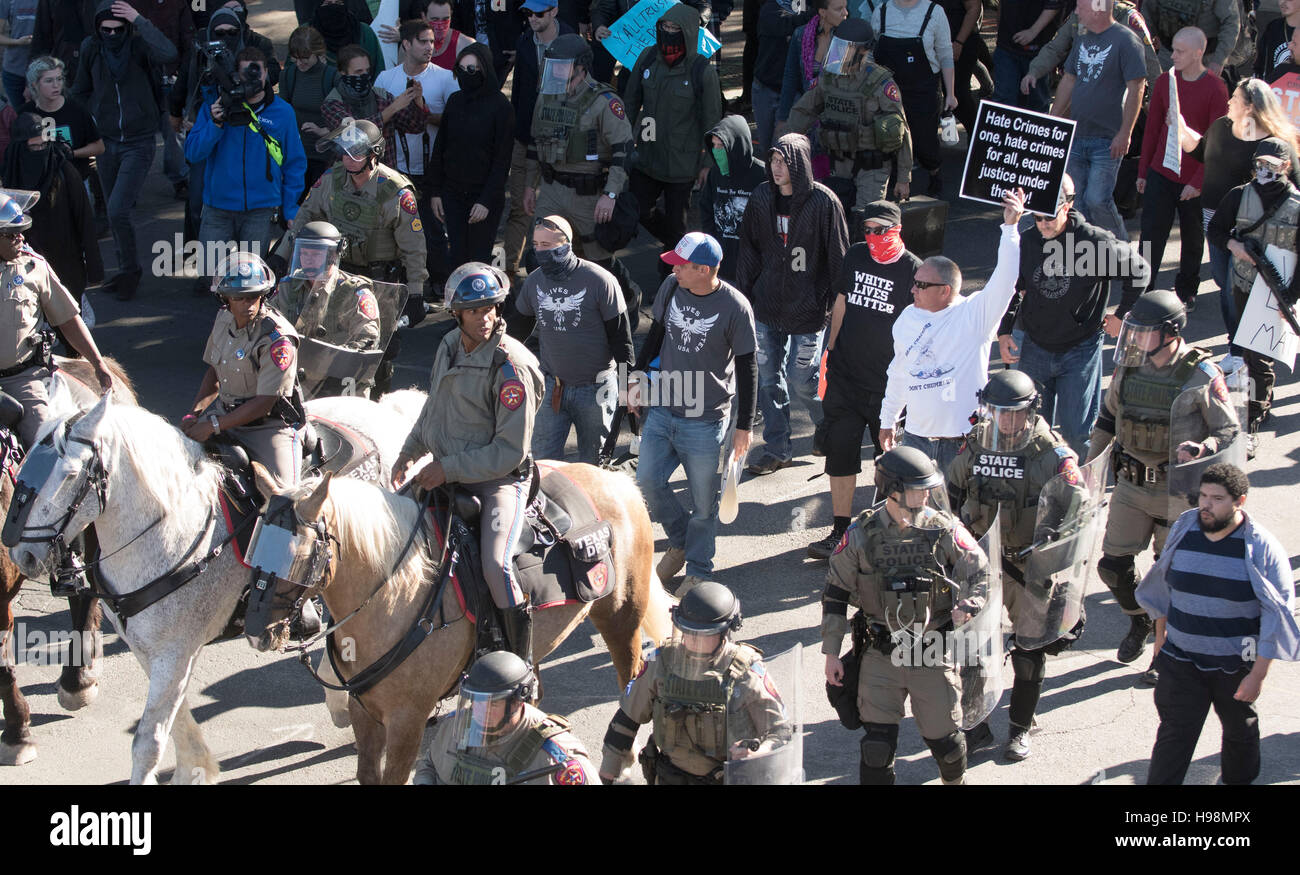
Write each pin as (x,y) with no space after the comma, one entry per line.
(78,683)
(372,528)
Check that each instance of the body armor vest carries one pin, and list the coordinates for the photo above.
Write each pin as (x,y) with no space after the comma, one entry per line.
(1145,402)
(1279,229)
(471,770)
(692,714)
(850,111)
(1001,481)
(556,132)
(1173,16)
(329,317)
(357,216)
(913,585)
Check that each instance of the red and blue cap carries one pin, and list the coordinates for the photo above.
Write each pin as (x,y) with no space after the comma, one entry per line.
(695,248)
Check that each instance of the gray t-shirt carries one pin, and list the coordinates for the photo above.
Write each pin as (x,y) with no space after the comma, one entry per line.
(571,318)
(21,15)
(703,334)
(1102,63)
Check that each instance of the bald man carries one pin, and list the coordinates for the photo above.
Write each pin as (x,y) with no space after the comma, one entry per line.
(1172,185)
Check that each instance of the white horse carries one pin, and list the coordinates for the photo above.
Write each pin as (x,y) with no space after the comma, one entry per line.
(153,497)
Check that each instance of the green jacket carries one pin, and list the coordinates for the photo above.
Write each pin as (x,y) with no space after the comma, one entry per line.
(668,113)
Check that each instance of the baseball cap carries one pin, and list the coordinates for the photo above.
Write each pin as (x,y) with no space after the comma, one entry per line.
(695,248)
(1273,149)
(538,5)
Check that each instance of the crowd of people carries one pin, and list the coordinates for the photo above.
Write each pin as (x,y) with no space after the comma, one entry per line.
(795,281)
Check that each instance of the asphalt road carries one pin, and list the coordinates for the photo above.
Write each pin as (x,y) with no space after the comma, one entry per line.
(264,718)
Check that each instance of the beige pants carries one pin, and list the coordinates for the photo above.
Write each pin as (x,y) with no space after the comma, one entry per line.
(273,444)
(1132,521)
(28,388)
(500,522)
(518,223)
(555,199)
(883,688)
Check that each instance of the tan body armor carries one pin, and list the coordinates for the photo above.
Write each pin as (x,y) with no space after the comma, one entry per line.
(559,137)
(357,216)
(1008,484)
(1145,402)
(515,759)
(913,586)
(692,714)
(1279,229)
(854,118)
(1173,15)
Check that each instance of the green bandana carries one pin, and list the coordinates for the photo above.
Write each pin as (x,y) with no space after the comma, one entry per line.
(720,156)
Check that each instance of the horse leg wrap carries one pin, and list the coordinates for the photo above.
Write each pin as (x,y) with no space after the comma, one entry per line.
(950,753)
(878,747)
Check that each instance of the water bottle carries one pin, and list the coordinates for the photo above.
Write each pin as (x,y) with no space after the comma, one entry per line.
(948,129)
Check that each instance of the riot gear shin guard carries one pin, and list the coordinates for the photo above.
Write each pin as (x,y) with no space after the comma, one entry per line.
(1030,669)
(878,746)
(950,753)
(1119,573)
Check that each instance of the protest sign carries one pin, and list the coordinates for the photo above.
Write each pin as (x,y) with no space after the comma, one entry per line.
(634,31)
(1262,328)
(1014,148)
(1287,89)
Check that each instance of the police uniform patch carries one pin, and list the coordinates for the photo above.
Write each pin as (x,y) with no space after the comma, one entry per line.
(282,353)
(512,394)
(417,225)
(17,280)
(597,576)
(572,775)
(891,91)
(407,202)
(844,539)
(366,305)
(761,670)
(616,107)
(1217,386)
(962,538)
(1069,466)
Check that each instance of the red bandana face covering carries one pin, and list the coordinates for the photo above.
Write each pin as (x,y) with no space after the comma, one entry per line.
(886,247)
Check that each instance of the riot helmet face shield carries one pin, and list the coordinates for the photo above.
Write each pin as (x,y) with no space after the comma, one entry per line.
(919,504)
(844,57)
(1006,428)
(557,73)
(694,653)
(313,258)
(486,719)
(1137,343)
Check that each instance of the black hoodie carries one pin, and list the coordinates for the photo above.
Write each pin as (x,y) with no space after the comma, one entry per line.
(124,106)
(789,282)
(724,198)
(472,153)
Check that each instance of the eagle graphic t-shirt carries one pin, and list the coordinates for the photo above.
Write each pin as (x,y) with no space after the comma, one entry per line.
(571,316)
(1102,63)
(703,334)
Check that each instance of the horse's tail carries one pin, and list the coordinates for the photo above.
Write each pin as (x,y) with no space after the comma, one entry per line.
(657,622)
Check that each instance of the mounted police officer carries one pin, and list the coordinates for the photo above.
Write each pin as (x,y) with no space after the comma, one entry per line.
(249,390)
(478,424)
(375,209)
(35,298)
(1003,472)
(860,111)
(496,737)
(580,135)
(915,571)
(1167,403)
(711,699)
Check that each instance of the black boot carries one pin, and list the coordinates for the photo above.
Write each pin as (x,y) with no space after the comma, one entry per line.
(518,623)
(1136,639)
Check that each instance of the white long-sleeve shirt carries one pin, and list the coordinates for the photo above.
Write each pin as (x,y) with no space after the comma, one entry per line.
(941,360)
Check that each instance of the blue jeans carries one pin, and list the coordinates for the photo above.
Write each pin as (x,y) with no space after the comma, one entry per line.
(764,101)
(245,228)
(123,168)
(1008,70)
(588,407)
(1220,264)
(1071,387)
(782,357)
(696,445)
(1094,172)
(14,84)
(943,451)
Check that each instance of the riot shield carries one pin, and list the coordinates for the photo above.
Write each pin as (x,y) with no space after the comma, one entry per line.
(779,755)
(338,353)
(1071,516)
(1187,423)
(977,642)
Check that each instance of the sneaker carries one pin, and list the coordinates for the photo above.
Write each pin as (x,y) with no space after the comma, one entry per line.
(1017,748)
(826,546)
(1152,674)
(1252,445)
(1136,640)
(819,441)
(689,584)
(674,559)
(979,737)
(768,464)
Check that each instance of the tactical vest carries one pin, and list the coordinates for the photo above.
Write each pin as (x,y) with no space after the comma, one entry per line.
(1279,229)
(473,770)
(1001,481)
(913,586)
(357,216)
(850,120)
(692,715)
(1173,16)
(1145,402)
(555,127)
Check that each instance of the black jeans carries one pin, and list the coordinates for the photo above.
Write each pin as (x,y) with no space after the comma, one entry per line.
(468,242)
(1160,204)
(668,225)
(1184,695)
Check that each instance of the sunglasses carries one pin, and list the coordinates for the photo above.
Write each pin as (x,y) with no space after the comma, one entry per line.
(529,13)
(869,231)
(922,285)
(109,31)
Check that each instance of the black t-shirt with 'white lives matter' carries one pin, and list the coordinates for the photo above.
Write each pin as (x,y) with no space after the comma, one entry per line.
(875,295)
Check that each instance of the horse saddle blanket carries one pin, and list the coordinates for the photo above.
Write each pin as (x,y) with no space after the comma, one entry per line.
(328,448)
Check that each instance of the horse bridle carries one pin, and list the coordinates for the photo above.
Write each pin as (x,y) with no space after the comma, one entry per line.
(94,477)
(319,564)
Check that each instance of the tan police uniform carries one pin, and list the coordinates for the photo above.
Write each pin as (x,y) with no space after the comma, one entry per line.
(341,310)
(380,221)
(540,742)
(478,422)
(29,292)
(578,151)
(861,126)
(897,577)
(696,721)
(1142,402)
(259,359)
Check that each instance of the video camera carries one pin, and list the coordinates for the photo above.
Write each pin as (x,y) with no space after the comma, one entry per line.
(234,89)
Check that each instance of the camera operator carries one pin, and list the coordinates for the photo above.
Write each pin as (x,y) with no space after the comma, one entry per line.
(253,158)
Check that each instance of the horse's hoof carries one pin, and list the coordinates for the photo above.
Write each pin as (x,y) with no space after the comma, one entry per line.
(17,754)
(75,700)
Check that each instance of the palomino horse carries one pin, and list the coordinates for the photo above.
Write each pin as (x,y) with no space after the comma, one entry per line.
(373,529)
(78,684)
(152,495)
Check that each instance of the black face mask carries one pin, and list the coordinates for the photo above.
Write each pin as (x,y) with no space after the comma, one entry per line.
(334,22)
(114,41)
(470,80)
(557,263)
(670,45)
(356,87)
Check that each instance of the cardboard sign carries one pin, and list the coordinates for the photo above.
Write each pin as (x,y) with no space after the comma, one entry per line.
(1262,327)
(1014,148)
(635,31)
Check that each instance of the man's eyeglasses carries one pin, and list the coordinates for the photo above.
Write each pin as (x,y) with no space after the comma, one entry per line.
(923,285)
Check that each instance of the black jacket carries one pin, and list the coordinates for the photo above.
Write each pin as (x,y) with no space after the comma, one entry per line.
(790,283)
(523,92)
(63,221)
(472,153)
(775,26)
(129,107)
(503,28)
(61,26)
(723,198)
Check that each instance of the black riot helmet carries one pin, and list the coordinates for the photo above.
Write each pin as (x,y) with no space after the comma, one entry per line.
(851,40)
(565,51)
(1159,313)
(702,627)
(492,696)
(1008,402)
(905,470)
(322,244)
